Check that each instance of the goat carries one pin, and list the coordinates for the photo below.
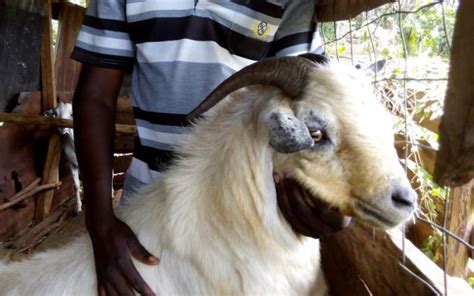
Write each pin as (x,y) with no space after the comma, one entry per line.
(213,219)
(64,110)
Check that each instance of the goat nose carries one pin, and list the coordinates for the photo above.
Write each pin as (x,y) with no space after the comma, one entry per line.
(404,197)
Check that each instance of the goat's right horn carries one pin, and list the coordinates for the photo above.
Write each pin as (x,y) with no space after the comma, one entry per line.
(290,74)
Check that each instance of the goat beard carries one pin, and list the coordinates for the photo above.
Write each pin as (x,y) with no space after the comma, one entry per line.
(307,214)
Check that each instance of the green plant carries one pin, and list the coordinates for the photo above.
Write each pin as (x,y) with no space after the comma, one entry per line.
(431,247)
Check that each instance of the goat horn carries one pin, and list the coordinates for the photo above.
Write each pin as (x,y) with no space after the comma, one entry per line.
(316,58)
(287,73)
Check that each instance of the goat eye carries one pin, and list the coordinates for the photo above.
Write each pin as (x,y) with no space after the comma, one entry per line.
(316,134)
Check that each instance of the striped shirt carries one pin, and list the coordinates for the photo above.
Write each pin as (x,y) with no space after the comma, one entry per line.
(179,50)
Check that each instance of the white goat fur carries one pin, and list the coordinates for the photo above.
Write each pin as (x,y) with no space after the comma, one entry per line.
(213,219)
(64,110)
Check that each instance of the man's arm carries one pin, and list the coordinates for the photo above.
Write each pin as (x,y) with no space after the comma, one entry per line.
(94,106)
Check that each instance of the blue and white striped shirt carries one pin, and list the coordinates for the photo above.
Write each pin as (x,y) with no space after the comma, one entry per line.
(179,50)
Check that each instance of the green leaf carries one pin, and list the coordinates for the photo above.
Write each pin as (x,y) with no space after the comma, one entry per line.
(429,254)
(341,49)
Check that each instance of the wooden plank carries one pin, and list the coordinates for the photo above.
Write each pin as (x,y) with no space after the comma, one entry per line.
(424,121)
(361,260)
(70,20)
(48,76)
(124,129)
(50,175)
(332,10)
(427,155)
(118,181)
(124,143)
(124,104)
(121,163)
(124,113)
(429,271)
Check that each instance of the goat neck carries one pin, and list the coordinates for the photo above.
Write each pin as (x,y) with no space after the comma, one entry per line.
(236,190)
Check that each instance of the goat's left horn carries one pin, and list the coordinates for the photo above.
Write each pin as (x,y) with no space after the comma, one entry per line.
(290,74)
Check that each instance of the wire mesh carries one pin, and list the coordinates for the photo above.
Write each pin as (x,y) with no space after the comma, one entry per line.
(405,87)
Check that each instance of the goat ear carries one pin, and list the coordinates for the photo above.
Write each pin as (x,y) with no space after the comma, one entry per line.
(288,134)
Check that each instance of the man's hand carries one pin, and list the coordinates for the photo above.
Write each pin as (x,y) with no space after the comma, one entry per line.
(116,275)
(317,222)
(94,104)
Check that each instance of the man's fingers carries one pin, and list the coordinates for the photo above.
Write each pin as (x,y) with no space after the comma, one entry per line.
(141,254)
(296,200)
(109,290)
(102,290)
(335,220)
(135,280)
(276,178)
(120,284)
(287,209)
(332,218)
(305,219)
(282,196)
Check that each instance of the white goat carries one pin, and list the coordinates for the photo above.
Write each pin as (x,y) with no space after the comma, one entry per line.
(64,110)
(213,218)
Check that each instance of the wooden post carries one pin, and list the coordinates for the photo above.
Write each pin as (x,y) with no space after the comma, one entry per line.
(48,78)
(461,214)
(455,159)
(48,75)
(67,70)
(50,175)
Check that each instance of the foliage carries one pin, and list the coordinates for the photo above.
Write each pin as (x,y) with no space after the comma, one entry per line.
(430,244)
(425,33)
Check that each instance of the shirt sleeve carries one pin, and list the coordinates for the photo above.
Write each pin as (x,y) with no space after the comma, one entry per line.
(103,40)
(297,32)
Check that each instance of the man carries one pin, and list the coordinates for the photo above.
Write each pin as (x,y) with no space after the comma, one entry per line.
(178,51)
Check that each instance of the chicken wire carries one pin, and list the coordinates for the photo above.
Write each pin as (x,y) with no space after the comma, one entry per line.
(383,33)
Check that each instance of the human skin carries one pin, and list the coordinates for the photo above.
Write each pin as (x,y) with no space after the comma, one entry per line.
(114,243)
